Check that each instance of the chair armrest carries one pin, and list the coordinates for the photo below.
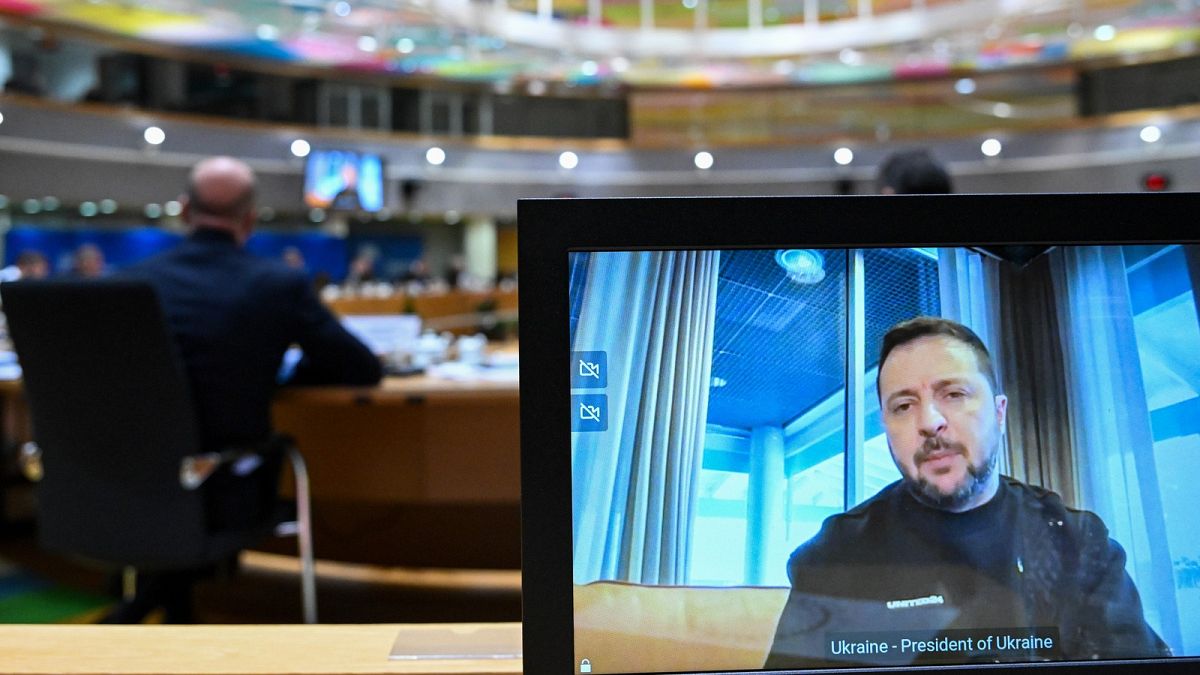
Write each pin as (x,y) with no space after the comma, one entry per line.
(195,469)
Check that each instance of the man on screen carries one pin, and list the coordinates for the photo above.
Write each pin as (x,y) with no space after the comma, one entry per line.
(953,548)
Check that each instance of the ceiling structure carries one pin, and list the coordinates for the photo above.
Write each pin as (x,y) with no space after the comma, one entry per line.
(521,45)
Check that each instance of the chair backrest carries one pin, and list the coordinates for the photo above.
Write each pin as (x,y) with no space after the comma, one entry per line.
(113,416)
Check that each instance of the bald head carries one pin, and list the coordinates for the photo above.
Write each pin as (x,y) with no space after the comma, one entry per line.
(221,196)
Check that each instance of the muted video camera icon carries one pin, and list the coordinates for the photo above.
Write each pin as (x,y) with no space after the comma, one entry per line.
(589,412)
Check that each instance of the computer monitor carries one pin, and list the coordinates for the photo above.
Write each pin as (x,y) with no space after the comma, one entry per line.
(881,433)
(344,180)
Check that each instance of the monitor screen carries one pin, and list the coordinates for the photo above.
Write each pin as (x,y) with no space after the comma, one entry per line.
(342,180)
(797,451)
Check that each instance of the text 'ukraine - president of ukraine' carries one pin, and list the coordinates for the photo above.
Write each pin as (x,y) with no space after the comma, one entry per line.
(954,548)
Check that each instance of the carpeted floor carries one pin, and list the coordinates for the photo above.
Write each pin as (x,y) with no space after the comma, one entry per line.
(38,587)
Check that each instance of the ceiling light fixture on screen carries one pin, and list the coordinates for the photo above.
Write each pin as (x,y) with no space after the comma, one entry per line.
(1150,134)
(435,156)
(703,160)
(991,147)
(803,266)
(301,147)
(568,160)
(154,135)
(843,156)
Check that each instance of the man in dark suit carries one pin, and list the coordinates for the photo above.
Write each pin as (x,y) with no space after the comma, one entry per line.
(233,317)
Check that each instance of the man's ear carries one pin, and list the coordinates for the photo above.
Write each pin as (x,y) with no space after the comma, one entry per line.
(1001,409)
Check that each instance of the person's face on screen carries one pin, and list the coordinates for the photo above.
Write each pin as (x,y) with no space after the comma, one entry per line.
(943,422)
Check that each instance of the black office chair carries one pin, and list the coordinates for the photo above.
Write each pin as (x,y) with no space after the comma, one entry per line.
(120,474)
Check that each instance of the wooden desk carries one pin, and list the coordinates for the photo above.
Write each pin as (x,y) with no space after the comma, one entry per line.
(417,472)
(225,650)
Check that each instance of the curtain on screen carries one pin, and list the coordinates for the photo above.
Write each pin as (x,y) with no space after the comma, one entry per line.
(1042,450)
(635,486)
(1110,421)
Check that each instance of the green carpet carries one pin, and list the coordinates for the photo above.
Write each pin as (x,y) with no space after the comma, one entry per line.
(28,598)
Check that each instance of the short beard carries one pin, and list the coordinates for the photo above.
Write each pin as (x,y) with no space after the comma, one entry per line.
(978,477)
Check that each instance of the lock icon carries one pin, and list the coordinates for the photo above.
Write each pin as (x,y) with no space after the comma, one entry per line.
(585,666)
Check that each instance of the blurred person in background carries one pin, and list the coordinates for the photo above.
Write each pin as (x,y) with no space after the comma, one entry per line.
(913,172)
(88,262)
(30,264)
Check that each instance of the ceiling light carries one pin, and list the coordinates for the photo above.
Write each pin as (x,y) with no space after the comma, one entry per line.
(50,203)
(88,209)
(108,206)
(316,215)
(172,208)
(31,206)
(536,88)
(803,266)
(843,156)
(435,156)
(1151,134)
(1104,33)
(301,148)
(690,4)
(405,45)
(965,86)
(850,57)
(568,160)
(342,9)
(153,211)
(367,43)
(1002,110)
(154,135)
(266,31)
(589,68)
(1,118)
(703,160)
(991,147)
(619,64)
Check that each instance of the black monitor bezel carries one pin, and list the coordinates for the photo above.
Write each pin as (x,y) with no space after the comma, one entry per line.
(548,229)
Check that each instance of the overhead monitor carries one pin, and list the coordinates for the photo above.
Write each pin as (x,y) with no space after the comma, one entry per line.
(344,180)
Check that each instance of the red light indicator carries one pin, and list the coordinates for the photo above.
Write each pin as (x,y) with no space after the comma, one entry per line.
(1156,182)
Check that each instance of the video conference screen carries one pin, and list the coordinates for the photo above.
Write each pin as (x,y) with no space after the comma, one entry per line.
(342,180)
(834,458)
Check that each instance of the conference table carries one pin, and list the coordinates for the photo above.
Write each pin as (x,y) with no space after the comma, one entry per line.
(419,471)
(237,649)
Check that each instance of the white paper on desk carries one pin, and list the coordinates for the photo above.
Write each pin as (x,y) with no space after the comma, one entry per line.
(502,641)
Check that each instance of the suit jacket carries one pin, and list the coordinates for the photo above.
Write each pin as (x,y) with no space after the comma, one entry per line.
(233,316)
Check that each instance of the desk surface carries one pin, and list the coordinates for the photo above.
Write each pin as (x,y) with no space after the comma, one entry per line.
(227,650)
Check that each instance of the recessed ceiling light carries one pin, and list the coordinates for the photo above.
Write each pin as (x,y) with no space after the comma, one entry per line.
(568,160)
(154,135)
(991,147)
(1150,134)
(843,156)
(965,86)
(301,147)
(703,160)
(435,156)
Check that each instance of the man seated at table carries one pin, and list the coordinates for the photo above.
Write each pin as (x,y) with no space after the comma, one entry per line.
(233,316)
